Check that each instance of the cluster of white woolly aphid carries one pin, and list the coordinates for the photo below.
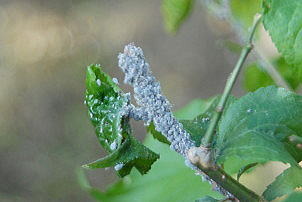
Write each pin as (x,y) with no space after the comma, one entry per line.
(153,105)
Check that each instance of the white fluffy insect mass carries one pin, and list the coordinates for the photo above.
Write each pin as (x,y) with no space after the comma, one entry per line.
(154,107)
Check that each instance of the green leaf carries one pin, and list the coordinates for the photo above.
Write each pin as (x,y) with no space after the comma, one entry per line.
(169,172)
(175,12)
(245,169)
(105,102)
(285,183)
(131,154)
(294,197)
(157,135)
(195,108)
(256,77)
(168,180)
(244,11)
(283,20)
(255,129)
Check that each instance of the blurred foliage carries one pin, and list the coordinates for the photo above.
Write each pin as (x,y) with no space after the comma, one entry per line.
(244,11)
(256,77)
(175,12)
(294,197)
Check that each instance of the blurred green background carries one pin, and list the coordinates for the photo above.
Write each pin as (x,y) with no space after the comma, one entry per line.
(45,46)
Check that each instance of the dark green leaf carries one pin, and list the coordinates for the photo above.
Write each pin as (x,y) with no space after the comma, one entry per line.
(255,129)
(130,154)
(105,102)
(175,12)
(294,197)
(285,183)
(283,20)
(157,135)
(256,77)
(169,180)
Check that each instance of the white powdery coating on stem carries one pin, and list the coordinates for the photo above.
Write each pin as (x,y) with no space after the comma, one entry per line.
(153,105)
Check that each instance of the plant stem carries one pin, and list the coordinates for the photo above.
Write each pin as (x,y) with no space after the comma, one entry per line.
(224,180)
(223,12)
(207,139)
(198,155)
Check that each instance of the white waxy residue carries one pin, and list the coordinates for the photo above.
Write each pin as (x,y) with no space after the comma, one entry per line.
(118,166)
(98,81)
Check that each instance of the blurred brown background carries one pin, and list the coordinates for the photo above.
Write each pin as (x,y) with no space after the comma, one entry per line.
(45,46)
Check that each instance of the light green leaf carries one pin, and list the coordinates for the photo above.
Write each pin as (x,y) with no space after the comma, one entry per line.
(294,197)
(255,129)
(168,180)
(256,77)
(194,108)
(245,10)
(105,102)
(283,20)
(285,183)
(175,12)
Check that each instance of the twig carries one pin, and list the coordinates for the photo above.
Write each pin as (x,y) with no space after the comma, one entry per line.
(224,180)
(201,156)
(207,139)
(223,12)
